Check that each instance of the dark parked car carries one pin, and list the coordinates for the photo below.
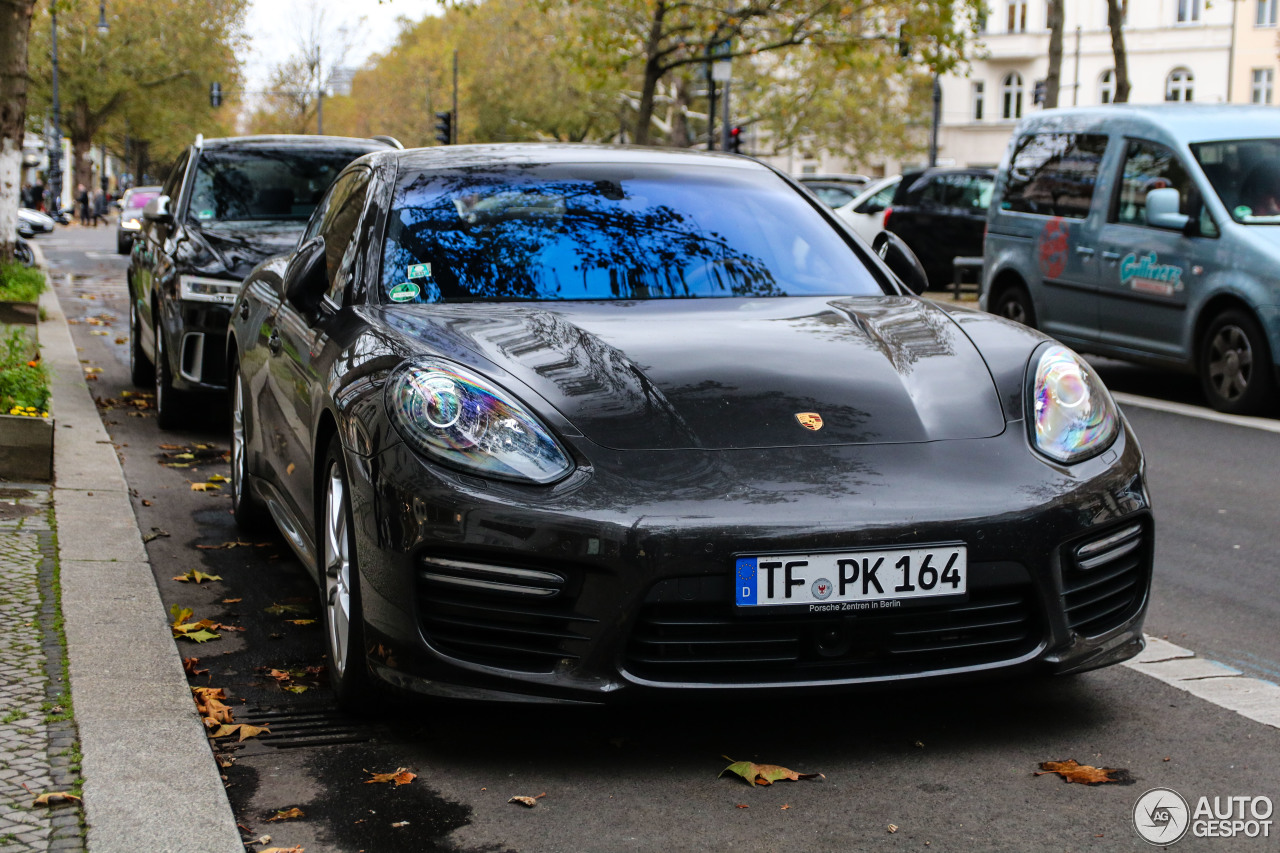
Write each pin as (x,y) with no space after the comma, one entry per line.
(131,205)
(834,190)
(941,214)
(575,423)
(226,205)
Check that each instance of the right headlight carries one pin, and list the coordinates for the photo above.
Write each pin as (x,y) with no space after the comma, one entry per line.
(1072,416)
(466,421)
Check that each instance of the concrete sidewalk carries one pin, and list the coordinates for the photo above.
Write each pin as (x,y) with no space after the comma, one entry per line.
(150,781)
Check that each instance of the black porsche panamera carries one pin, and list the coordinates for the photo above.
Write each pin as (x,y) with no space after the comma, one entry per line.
(569,423)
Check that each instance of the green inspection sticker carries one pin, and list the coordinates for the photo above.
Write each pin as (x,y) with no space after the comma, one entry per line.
(419,271)
(405,291)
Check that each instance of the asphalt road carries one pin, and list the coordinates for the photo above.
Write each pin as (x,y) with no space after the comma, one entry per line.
(935,769)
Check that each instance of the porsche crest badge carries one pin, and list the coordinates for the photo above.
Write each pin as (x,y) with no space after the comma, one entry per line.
(810,420)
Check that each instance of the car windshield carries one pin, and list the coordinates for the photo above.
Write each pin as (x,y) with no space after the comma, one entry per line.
(609,232)
(256,184)
(1245,173)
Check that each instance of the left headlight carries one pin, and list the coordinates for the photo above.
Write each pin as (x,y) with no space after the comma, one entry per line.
(465,420)
(204,289)
(1073,417)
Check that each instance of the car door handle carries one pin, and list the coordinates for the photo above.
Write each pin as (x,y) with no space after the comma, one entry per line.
(1084,250)
(274,343)
(244,310)
(1111,256)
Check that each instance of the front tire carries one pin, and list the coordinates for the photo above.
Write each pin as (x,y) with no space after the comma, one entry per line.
(247,510)
(1235,367)
(168,400)
(141,371)
(1014,303)
(340,598)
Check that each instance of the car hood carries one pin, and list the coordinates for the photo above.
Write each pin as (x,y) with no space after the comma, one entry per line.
(239,247)
(728,373)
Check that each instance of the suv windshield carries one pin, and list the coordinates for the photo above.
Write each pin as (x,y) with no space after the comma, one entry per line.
(609,232)
(282,184)
(1245,173)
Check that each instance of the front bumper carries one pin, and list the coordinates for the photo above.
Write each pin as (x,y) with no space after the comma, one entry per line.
(641,549)
(199,344)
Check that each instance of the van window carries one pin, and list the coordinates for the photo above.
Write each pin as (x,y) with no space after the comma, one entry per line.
(1147,167)
(1245,173)
(1054,173)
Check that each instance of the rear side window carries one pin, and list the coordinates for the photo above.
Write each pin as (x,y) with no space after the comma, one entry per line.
(1054,174)
(971,192)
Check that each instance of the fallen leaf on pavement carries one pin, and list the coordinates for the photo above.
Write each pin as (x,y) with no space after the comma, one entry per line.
(155,533)
(764,774)
(400,823)
(742,806)
(527,802)
(281,609)
(227,546)
(283,850)
(190,666)
(246,731)
(301,621)
(287,814)
(400,776)
(56,798)
(1072,771)
(205,487)
(232,600)
(197,576)
(893,827)
(217,478)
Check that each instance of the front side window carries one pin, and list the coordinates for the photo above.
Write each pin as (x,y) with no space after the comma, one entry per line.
(636,231)
(1054,174)
(1245,173)
(1266,16)
(1260,91)
(1107,87)
(263,184)
(1179,85)
(1148,166)
(979,94)
(1188,11)
(1011,95)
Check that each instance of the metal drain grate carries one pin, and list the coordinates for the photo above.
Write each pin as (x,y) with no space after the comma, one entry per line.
(297,729)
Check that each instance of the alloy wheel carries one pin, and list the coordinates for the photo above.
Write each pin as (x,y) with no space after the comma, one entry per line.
(337,569)
(1230,362)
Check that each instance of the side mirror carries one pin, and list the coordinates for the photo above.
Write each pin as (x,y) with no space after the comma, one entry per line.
(157,210)
(1162,209)
(307,278)
(901,261)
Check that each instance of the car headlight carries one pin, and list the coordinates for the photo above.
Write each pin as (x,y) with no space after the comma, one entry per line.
(1073,417)
(203,289)
(465,420)
(131,224)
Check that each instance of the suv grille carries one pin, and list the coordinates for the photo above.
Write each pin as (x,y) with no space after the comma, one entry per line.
(706,641)
(515,617)
(1104,579)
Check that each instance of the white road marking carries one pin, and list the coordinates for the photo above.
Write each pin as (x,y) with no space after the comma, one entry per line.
(1267,424)
(1222,685)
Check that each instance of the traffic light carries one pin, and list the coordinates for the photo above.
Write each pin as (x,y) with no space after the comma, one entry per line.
(444,128)
(215,94)
(735,140)
(1040,90)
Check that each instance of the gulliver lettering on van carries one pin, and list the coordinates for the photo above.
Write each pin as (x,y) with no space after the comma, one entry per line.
(1147,233)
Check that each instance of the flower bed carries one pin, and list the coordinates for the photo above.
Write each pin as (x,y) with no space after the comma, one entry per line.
(26,433)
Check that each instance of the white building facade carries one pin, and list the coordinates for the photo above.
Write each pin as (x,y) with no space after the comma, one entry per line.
(1178,50)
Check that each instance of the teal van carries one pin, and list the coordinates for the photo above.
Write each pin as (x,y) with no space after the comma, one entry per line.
(1147,233)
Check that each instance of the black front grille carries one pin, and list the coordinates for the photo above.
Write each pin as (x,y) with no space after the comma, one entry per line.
(511,616)
(1104,579)
(707,641)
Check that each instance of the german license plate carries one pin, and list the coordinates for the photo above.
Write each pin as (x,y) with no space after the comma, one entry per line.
(850,581)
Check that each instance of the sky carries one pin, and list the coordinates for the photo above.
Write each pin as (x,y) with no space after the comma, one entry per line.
(277,28)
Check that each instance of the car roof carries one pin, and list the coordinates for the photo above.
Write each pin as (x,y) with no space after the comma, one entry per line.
(297,140)
(529,153)
(1186,122)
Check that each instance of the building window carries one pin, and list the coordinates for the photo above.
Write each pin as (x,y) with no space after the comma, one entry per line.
(1263,80)
(1017,15)
(1178,85)
(1011,95)
(1188,11)
(1107,87)
(979,95)
(1266,13)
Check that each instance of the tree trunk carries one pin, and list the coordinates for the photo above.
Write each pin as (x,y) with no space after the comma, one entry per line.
(652,71)
(680,114)
(15,25)
(1053,80)
(1115,20)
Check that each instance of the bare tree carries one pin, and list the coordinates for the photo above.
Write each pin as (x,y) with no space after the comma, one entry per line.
(1115,20)
(15,25)
(1053,80)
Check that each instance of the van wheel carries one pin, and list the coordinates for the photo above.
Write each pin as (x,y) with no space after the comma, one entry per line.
(1235,365)
(1015,304)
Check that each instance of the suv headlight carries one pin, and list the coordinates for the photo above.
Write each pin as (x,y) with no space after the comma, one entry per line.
(205,289)
(464,420)
(1072,416)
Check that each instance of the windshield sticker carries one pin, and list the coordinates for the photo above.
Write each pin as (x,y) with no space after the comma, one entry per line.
(205,214)
(418,271)
(1053,248)
(405,291)
(1145,275)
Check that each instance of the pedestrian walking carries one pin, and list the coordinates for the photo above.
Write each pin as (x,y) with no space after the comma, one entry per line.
(99,207)
(82,203)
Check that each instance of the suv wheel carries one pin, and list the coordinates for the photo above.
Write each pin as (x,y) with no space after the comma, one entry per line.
(168,401)
(340,590)
(1014,303)
(141,370)
(246,509)
(1235,365)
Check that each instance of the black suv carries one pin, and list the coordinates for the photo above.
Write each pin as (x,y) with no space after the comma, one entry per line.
(227,205)
(941,214)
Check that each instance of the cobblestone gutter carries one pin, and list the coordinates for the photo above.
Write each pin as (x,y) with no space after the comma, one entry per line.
(38,744)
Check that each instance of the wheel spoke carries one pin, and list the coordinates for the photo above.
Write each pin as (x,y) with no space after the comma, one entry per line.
(337,565)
